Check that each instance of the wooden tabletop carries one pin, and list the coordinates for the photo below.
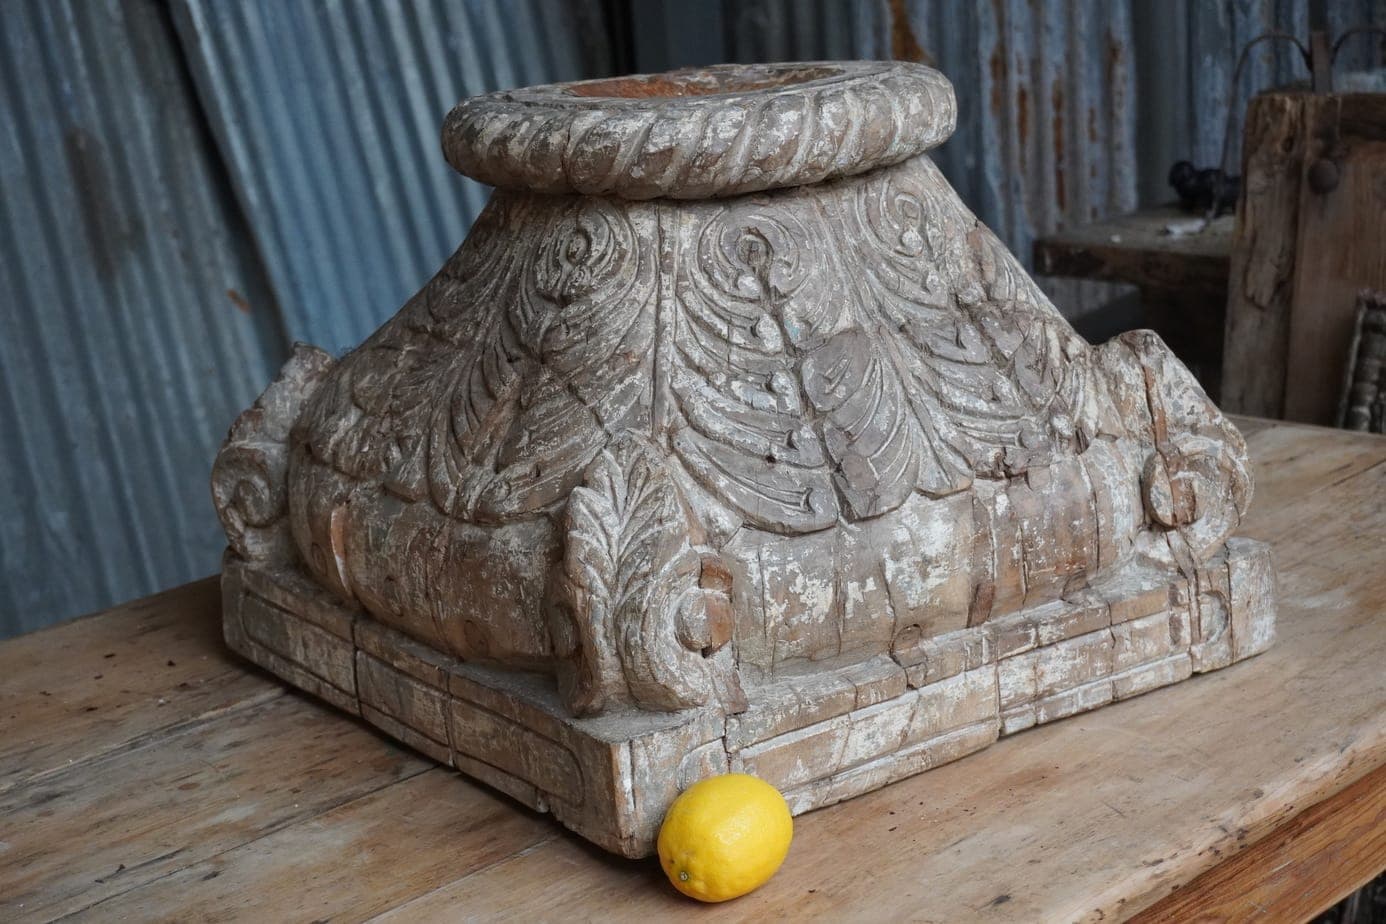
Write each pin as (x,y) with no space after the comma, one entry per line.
(1137,248)
(146,774)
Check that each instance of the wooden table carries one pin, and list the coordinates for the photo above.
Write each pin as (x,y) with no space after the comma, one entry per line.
(147,774)
(1183,278)
(1138,249)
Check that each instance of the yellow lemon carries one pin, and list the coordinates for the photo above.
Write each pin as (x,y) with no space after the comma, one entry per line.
(725,836)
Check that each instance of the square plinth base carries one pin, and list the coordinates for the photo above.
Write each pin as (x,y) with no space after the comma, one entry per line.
(820,737)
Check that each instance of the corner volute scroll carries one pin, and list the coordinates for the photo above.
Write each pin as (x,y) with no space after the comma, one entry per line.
(1196,478)
(644,615)
(249,477)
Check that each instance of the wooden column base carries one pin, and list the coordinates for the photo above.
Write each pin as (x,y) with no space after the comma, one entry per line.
(820,738)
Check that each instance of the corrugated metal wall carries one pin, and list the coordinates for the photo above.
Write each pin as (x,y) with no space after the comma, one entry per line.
(1046,90)
(1047,116)
(328,117)
(135,319)
(191,184)
(140,311)
(1189,53)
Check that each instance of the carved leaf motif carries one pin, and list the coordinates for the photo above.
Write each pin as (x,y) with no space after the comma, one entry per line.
(629,570)
(882,445)
(371,419)
(820,356)
(478,378)
(743,305)
(584,315)
(539,359)
(985,358)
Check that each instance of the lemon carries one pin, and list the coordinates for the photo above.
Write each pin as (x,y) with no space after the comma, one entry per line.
(725,836)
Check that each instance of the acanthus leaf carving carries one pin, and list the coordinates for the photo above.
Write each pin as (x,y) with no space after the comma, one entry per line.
(868,428)
(584,316)
(740,317)
(632,587)
(540,359)
(985,358)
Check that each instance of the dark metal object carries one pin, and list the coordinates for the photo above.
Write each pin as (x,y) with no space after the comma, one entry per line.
(1357,30)
(1320,62)
(1207,190)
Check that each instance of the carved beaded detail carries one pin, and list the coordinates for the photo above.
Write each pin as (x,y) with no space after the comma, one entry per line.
(720,131)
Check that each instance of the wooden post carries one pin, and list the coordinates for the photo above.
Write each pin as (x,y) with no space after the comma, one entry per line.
(1263,258)
(1309,236)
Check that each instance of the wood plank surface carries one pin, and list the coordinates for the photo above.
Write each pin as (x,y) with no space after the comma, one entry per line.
(1263,257)
(131,817)
(1341,247)
(361,858)
(296,812)
(113,680)
(1305,866)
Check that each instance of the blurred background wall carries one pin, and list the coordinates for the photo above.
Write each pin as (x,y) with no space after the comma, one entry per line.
(189,186)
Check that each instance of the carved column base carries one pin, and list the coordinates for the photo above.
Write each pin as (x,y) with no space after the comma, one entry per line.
(729,439)
(821,738)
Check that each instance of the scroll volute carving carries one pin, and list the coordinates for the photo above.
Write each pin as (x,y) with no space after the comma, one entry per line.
(1196,478)
(249,477)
